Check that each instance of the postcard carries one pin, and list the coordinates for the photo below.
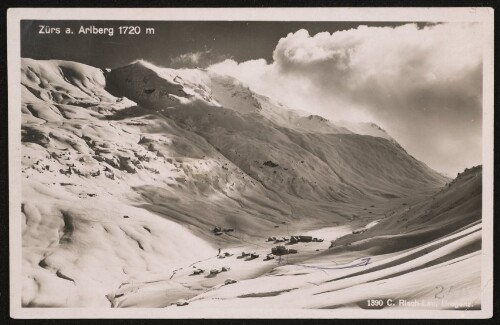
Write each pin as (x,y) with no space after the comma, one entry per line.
(251,162)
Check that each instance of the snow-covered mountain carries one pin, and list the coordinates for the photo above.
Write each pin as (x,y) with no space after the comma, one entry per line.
(126,172)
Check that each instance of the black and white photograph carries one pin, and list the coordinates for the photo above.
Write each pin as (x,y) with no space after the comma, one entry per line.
(200,163)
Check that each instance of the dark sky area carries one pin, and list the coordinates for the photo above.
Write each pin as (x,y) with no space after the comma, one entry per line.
(233,39)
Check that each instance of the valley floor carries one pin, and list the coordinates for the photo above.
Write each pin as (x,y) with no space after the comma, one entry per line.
(314,278)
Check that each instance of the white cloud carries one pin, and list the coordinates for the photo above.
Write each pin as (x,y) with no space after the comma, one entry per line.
(423,85)
(201,59)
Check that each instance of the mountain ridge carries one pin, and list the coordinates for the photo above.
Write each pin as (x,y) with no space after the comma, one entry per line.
(141,163)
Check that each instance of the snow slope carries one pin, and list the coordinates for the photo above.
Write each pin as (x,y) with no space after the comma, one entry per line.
(438,271)
(126,172)
(328,164)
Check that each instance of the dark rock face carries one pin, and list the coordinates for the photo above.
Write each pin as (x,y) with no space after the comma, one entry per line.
(270,164)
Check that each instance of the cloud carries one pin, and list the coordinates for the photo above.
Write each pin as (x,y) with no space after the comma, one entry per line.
(201,59)
(423,85)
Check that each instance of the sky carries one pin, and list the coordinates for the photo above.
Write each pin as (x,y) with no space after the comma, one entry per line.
(422,83)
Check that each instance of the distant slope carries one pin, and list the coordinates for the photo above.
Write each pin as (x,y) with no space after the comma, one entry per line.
(315,162)
(457,205)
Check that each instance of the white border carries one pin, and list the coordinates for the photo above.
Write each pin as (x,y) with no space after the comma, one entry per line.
(14,15)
